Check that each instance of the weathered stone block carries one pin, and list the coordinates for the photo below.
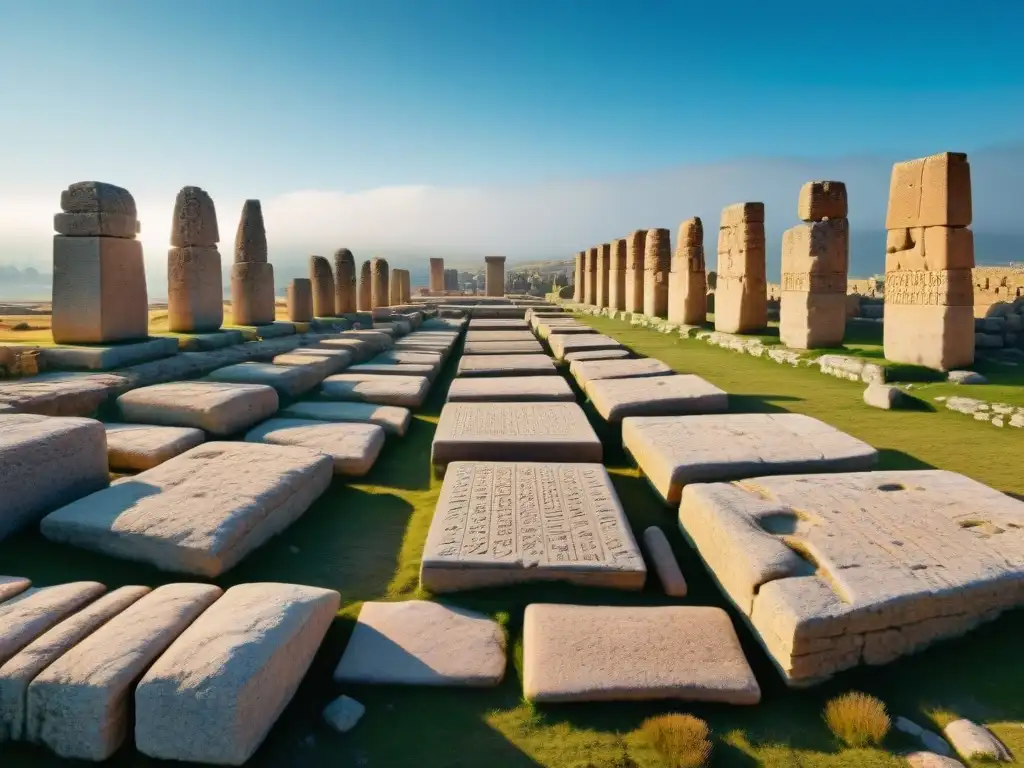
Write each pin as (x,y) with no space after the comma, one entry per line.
(936,336)
(252,293)
(742,213)
(563,343)
(95,225)
(391,419)
(530,389)
(820,200)
(251,236)
(300,300)
(288,380)
(195,289)
(585,371)
(28,615)
(218,408)
(635,247)
(505,365)
(676,395)
(657,263)
(139,447)
(344,282)
(353,448)
(929,192)
(322,279)
(381,389)
(687,291)
(194,222)
(97,197)
(665,564)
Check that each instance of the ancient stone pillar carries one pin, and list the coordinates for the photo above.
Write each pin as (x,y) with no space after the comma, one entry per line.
(99,276)
(494,284)
(577,285)
(344,282)
(406,286)
(437,275)
(741,293)
(252,277)
(395,288)
(604,255)
(380,284)
(195,287)
(322,278)
(590,278)
(687,282)
(635,245)
(617,275)
(365,288)
(300,300)
(815,260)
(451,279)
(929,295)
(657,263)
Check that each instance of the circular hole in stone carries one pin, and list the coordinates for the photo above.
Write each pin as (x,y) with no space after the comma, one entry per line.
(892,487)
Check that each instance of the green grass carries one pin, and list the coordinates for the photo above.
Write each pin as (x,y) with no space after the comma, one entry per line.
(364,540)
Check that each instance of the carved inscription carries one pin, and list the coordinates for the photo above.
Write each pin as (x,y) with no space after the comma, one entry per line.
(951,288)
(537,420)
(814,282)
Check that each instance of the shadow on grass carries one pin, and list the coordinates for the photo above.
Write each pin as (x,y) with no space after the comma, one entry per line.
(889,458)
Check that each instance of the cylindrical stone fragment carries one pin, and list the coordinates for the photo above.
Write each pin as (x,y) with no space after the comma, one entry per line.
(665,563)
(495,276)
(657,263)
(380,284)
(194,222)
(344,282)
(252,293)
(195,290)
(635,245)
(617,275)
(365,288)
(601,290)
(577,286)
(322,279)
(820,200)
(251,237)
(300,300)
(590,278)
(406,286)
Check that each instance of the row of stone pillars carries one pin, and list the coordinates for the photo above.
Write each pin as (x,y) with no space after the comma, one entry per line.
(328,293)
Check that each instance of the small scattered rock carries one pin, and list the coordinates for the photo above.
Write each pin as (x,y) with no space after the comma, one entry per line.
(343,713)
(997,421)
(966,377)
(882,396)
(974,741)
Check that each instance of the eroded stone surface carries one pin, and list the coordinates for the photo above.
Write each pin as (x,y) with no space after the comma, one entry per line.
(143,446)
(427,371)
(12,585)
(26,616)
(974,742)
(392,419)
(564,343)
(523,335)
(352,447)
(585,371)
(674,395)
(665,563)
(218,408)
(506,365)
(382,389)
(288,380)
(323,366)
(598,354)
(741,300)
(536,389)
(503,347)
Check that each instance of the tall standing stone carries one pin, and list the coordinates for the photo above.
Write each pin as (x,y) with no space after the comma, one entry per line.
(380,283)
(617,275)
(99,276)
(687,282)
(604,255)
(406,286)
(365,287)
(577,286)
(300,300)
(635,245)
(929,295)
(252,277)
(590,278)
(195,286)
(437,275)
(657,262)
(322,278)
(815,260)
(495,276)
(741,291)
(395,288)
(451,280)
(344,282)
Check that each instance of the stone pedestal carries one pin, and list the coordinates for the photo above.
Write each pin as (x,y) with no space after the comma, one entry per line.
(380,284)
(657,263)
(406,295)
(300,300)
(322,279)
(590,277)
(577,286)
(635,245)
(252,293)
(365,288)
(437,275)
(604,254)
(344,282)
(741,292)
(195,287)
(495,276)
(687,282)
(395,288)
(617,275)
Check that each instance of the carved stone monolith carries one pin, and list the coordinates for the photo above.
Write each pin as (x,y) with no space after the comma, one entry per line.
(741,295)
(322,278)
(195,286)
(687,282)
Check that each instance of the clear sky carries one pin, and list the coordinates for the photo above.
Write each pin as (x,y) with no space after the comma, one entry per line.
(344,98)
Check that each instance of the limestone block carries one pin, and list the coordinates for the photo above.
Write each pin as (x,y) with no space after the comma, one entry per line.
(11,586)
(395,288)
(687,292)
(417,642)
(498,324)
(741,301)
(933,335)
(585,371)
(494,275)
(300,300)
(812,320)
(19,671)
(322,280)
(634,278)
(97,197)
(344,713)
(382,389)
(324,365)
(974,742)
(513,432)
(31,449)
(95,225)
(379,284)
(820,200)
(200,512)
(252,293)
(601,275)
(505,365)
(502,348)
(251,236)
(29,614)
(884,396)
(218,408)
(602,653)
(436,275)
(288,380)
(598,354)
(213,696)
(195,289)
(742,213)
(931,760)
(79,706)
(660,552)
(194,222)
(394,369)
(474,335)
(657,263)
(928,249)
(676,395)
(344,282)
(673,451)
(409,357)
(563,343)
(365,295)
(137,447)
(392,419)
(352,447)
(99,290)
(531,389)
(930,191)
(359,349)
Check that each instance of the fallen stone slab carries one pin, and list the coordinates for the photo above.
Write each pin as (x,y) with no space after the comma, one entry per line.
(143,446)
(12,585)
(603,653)
(395,369)
(406,357)
(505,365)
(394,420)
(107,357)
(288,380)
(218,408)
(975,742)
(675,395)
(80,705)
(339,359)
(598,354)
(359,349)
(665,563)
(22,668)
(321,366)
(200,512)
(534,389)
(497,324)
(503,348)
(382,389)
(513,432)
(417,642)
(61,394)
(836,570)
(673,451)
(563,343)
(500,523)
(379,339)
(352,447)
(506,336)
(215,693)
(26,616)
(585,371)
(46,462)
(411,344)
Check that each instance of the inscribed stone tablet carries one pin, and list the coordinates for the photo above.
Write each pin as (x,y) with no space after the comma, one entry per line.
(676,450)
(524,389)
(676,395)
(502,523)
(506,365)
(514,432)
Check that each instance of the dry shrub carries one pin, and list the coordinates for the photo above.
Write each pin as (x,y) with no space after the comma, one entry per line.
(857,719)
(681,740)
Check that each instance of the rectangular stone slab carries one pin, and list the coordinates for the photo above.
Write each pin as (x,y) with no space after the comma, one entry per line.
(598,354)
(564,343)
(25,617)
(79,706)
(339,359)
(200,512)
(393,419)
(497,324)
(500,523)
(407,357)
(288,380)
(139,447)
(604,653)
(353,448)
(360,349)
(323,366)
(832,571)
(676,395)
(493,389)
(379,388)
(395,369)
(523,335)
(12,585)
(31,449)
(502,347)
(505,365)
(203,342)
(218,408)
(673,451)
(513,432)
(585,371)
(107,357)
(213,696)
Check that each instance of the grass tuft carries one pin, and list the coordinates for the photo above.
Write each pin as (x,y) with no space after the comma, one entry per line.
(856,719)
(681,740)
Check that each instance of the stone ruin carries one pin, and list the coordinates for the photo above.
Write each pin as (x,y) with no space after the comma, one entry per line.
(741,299)
(322,278)
(451,279)
(815,261)
(99,275)
(495,276)
(687,282)
(635,246)
(195,286)
(344,282)
(589,275)
(577,292)
(657,262)
(929,294)
(406,294)
(395,288)
(365,288)
(300,300)
(379,283)
(604,252)
(252,276)
(437,276)
(617,275)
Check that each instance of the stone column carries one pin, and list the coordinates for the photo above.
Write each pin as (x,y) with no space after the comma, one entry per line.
(344,282)
(195,286)
(494,276)
(741,291)
(577,285)
(604,255)
(436,275)
(380,285)
(395,288)
(687,283)
(657,263)
(252,276)
(617,275)
(451,279)
(300,300)
(635,245)
(929,294)
(99,276)
(322,278)
(365,288)
(590,278)
(815,260)
(406,286)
